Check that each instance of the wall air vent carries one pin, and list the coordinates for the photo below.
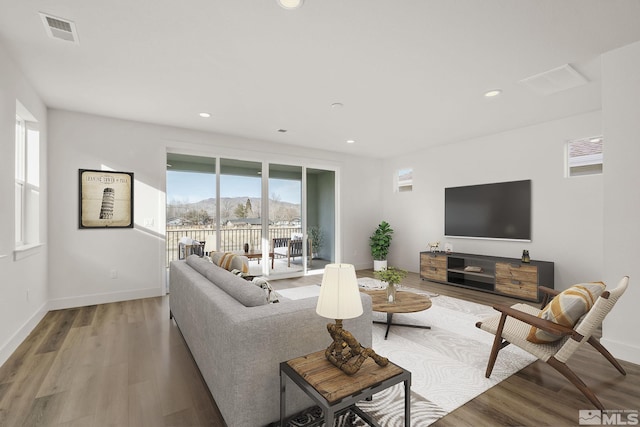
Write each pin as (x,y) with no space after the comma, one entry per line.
(556,80)
(58,28)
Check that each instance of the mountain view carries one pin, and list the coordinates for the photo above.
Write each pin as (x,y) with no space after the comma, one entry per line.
(232,209)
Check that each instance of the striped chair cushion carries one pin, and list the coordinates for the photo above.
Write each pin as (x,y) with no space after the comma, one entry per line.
(566,309)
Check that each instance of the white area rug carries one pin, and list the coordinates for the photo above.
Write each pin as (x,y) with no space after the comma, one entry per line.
(447,362)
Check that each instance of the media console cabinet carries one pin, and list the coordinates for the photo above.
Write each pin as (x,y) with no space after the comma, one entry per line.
(505,276)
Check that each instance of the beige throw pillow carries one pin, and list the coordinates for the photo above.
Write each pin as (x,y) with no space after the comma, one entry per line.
(566,309)
(230,261)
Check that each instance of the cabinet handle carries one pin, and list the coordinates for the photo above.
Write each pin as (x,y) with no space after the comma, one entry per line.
(515,282)
(433,268)
(514,265)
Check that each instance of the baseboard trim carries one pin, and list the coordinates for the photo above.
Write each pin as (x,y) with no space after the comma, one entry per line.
(622,351)
(21,334)
(104,298)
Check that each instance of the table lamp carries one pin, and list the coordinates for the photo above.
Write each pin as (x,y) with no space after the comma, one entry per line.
(340,299)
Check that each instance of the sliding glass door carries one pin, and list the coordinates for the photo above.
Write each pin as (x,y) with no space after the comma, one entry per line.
(191,204)
(240,207)
(282,217)
(286,228)
(321,215)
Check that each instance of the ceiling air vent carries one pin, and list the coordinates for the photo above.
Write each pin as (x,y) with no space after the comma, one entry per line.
(556,80)
(58,28)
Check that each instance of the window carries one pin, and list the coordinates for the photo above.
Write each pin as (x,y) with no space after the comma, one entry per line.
(404,180)
(584,156)
(27,180)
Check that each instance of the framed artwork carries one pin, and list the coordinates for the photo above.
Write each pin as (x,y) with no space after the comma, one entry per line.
(106,199)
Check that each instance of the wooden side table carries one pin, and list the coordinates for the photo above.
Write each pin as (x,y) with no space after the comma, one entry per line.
(334,391)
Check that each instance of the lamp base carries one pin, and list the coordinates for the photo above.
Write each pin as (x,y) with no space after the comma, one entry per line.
(346,353)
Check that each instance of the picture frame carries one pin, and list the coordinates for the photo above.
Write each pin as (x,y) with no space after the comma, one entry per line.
(105,199)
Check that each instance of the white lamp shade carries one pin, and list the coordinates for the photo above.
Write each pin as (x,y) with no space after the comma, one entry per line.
(339,294)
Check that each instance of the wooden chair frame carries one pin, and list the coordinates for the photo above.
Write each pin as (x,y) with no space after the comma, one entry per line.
(294,249)
(571,334)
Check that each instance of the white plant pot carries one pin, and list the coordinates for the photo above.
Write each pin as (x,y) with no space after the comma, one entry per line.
(379,265)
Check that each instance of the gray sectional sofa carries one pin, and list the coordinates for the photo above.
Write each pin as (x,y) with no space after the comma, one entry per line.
(238,340)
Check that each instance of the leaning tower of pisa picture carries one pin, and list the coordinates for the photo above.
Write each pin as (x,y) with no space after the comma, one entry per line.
(108,197)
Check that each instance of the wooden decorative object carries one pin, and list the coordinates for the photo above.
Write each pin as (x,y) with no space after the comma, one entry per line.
(346,353)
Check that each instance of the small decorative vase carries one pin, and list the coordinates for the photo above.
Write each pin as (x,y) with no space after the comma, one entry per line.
(391,293)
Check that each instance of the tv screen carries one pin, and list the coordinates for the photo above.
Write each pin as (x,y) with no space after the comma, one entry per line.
(490,211)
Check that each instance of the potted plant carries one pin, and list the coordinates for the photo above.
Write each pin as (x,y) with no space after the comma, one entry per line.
(379,242)
(392,276)
(317,240)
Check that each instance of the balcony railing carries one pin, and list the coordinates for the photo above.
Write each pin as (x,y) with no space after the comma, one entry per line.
(231,238)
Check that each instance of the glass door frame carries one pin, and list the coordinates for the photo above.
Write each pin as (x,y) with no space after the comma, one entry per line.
(304,164)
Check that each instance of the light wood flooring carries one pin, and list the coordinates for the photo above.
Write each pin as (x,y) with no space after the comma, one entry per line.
(126,364)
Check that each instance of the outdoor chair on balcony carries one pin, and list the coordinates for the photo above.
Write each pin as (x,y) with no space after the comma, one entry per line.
(552,342)
(188,246)
(295,250)
(280,248)
(290,248)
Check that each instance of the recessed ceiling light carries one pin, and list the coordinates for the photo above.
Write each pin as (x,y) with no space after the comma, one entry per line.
(337,105)
(205,115)
(492,93)
(595,139)
(290,4)
(351,141)
(282,130)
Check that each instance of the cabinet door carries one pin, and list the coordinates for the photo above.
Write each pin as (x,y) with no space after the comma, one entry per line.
(517,279)
(433,267)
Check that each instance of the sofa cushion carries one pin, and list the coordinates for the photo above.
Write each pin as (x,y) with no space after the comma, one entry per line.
(200,264)
(566,309)
(230,261)
(242,291)
(245,293)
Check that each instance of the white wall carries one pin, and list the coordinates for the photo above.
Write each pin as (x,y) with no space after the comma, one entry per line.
(567,212)
(19,312)
(81,260)
(621,114)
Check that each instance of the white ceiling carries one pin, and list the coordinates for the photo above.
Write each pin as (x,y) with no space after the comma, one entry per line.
(410,73)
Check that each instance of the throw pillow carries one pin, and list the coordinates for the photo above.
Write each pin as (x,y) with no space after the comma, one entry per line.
(262,283)
(230,261)
(566,309)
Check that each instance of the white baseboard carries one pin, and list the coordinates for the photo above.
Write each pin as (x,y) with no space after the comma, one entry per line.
(21,334)
(104,298)
(364,266)
(622,351)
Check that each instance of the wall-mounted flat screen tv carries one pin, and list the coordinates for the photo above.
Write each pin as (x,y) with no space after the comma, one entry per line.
(489,211)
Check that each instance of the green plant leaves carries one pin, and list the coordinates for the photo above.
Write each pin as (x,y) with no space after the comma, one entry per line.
(380,241)
(391,275)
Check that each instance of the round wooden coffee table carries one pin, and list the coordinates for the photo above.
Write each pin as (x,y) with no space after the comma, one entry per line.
(406,302)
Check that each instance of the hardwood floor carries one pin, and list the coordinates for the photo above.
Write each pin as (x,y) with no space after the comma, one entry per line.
(119,364)
(126,364)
